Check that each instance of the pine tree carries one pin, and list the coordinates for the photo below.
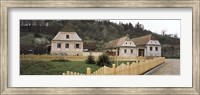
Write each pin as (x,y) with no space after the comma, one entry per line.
(103,60)
(90,60)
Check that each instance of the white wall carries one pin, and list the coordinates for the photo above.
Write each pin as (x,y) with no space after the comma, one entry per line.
(153,42)
(69,51)
(153,52)
(128,51)
(129,43)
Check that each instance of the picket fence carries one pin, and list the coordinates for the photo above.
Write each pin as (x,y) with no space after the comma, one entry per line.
(134,68)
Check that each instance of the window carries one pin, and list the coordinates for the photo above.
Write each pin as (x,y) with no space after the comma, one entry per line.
(67,45)
(77,46)
(126,42)
(156,48)
(150,48)
(67,36)
(131,50)
(58,45)
(124,50)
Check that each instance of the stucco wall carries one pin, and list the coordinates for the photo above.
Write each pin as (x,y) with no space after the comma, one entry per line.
(153,44)
(153,52)
(128,51)
(69,51)
(129,43)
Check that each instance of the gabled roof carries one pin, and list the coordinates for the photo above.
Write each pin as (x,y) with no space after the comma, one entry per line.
(73,36)
(118,42)
(143,40)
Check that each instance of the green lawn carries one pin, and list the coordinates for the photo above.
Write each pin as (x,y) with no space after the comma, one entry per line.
(39,67)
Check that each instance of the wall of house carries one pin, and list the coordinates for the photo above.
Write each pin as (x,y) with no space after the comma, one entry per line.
(128,51)
(153,52)
(153,44)
(72,36)
(128,43)
(68,51)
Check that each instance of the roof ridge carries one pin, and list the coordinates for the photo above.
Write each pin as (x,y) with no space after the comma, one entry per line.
(116,42)
(143,36)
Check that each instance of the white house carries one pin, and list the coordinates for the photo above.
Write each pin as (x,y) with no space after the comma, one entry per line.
(147,45)
(67,43)
(123,46)
(141,46)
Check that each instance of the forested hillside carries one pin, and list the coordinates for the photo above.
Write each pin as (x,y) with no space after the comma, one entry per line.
(36,35)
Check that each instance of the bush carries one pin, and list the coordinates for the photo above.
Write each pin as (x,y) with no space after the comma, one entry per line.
(103,60)
(90,60)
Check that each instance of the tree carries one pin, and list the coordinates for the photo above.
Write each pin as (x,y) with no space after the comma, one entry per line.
(139,26)
(103,60)
(90,60)
(163,32)
(175,35)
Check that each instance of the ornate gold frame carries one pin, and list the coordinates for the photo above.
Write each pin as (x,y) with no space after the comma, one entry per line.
(6,4)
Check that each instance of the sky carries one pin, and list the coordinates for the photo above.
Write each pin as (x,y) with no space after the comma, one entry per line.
(156,26)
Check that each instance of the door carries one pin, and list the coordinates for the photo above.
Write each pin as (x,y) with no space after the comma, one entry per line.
(141,52)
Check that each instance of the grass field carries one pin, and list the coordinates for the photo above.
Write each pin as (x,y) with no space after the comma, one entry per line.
(41,67)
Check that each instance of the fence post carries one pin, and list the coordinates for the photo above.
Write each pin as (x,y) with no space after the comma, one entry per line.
(71,73)
(129,69)
(114,69)
(63,73)
(68,72)
(88,71)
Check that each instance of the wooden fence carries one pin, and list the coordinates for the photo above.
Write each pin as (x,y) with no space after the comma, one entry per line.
(135,68)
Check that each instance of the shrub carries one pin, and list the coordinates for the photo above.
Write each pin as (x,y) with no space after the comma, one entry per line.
(90,60)
(103,60)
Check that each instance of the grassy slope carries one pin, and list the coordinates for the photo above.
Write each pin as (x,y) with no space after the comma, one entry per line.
(39,67)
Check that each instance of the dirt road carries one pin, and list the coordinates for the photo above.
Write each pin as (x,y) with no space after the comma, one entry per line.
(171,67)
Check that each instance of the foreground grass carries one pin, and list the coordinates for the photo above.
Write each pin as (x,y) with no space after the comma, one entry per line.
(39,67)
(28,67)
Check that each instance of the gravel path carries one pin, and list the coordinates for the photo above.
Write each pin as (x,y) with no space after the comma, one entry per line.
(170,67)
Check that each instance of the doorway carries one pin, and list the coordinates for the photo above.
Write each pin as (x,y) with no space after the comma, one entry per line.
(141,52)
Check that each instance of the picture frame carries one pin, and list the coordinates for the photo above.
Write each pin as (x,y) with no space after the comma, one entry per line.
(6,4)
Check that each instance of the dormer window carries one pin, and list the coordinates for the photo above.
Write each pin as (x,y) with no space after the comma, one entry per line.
(67,36)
